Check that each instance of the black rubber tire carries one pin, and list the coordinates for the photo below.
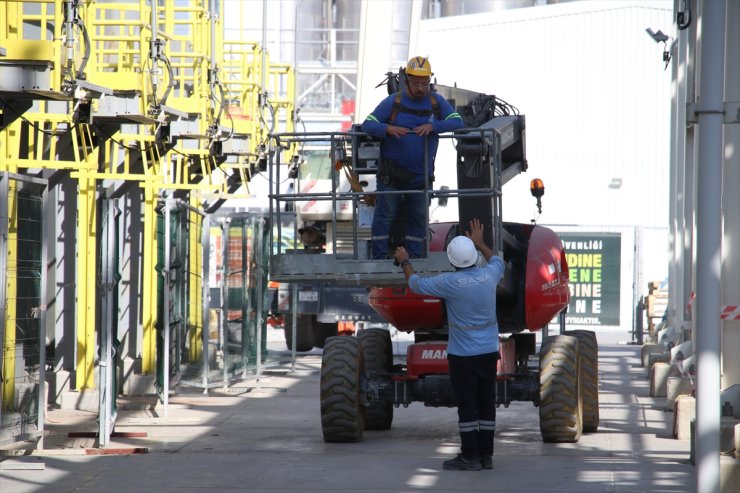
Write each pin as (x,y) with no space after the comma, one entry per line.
(378,352)
(304,332)
(560,402)
(588,349)
(342,370)
(322,331)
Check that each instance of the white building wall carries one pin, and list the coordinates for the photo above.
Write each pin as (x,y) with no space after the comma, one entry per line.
(596,96)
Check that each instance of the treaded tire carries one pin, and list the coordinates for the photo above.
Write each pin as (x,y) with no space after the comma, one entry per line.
(560,402)
(342,370)
(378,351)
(322,331)
(588,348)
(303,332)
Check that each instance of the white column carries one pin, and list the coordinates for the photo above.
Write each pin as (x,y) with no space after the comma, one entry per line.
(731,204)
(687,76)
(675,190)
(709,230)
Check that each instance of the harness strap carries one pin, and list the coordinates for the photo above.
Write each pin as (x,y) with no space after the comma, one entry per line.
(397,106)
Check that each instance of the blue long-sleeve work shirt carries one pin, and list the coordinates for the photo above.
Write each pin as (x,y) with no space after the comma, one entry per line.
(408,151)
(470,298)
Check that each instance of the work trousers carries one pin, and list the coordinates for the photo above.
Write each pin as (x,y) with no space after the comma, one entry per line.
(387,208)
(473,380)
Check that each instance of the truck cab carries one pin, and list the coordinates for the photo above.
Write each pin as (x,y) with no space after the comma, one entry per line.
(314,310)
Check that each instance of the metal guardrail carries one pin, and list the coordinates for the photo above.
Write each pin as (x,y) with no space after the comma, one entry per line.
(356,268)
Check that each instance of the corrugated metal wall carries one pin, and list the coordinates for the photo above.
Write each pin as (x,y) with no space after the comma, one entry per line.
(597,99)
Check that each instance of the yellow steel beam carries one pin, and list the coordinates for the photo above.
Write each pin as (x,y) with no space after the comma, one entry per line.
(9,342)
(195,284)
(149,341)
(86,263)
(6,163)
(149,282)
(117,176)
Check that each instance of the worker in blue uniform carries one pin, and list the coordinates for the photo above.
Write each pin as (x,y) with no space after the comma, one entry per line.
(409,123)
(469,294)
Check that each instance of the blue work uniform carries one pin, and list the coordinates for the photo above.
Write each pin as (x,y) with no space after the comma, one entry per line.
(470,298)
(472,350)
(407,153)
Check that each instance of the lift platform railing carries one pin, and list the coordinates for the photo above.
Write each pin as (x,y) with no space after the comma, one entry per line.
(476,148)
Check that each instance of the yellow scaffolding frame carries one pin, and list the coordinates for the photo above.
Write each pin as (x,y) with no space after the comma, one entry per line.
(120,39)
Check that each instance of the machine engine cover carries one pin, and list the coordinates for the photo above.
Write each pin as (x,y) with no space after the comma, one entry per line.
(546,286)
(426,358)
(406,310)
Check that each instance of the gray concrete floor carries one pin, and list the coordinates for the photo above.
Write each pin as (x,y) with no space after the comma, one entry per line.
(267,438)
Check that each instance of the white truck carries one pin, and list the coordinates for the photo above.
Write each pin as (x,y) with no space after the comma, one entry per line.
(324,309)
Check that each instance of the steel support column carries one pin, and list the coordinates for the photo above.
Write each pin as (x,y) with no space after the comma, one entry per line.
(709,240)
(730,206)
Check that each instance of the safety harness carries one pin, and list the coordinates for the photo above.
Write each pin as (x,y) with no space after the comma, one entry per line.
(389,172)
(397,106)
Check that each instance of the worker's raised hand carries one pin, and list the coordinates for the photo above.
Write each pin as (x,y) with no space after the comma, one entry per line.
(423,130)
(476,232)
(394,131)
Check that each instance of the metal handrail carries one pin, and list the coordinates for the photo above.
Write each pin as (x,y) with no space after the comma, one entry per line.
(288,140)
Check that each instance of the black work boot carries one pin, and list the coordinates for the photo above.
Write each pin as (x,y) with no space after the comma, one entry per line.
(462,463)
(486,462)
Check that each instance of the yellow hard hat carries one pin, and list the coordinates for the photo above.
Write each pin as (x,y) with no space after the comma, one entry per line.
(419,66)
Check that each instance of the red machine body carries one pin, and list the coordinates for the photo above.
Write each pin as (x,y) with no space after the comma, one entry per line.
(409,311)
(546,291)
(535,255)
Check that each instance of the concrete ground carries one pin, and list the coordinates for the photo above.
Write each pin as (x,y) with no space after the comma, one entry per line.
(266,437)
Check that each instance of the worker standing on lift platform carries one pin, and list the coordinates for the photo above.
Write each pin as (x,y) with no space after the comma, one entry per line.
(473,348)
(405,121)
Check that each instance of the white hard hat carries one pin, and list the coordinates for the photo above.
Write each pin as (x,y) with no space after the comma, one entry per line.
(461,252)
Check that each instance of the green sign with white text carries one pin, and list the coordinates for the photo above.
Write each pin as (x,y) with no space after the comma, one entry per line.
(594,261)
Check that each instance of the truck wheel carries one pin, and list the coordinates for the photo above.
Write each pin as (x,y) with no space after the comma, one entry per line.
(378,351)
(303,332)
(588,349)
(322,331)
(560,400)
(342,370)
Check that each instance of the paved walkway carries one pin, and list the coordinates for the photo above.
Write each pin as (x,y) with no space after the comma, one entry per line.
(268,439)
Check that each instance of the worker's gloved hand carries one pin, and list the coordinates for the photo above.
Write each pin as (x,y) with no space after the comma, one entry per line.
(400,255)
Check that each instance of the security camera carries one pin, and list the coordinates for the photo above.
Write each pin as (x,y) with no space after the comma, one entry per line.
(658,37)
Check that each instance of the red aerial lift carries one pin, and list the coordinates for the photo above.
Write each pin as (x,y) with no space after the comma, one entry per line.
(361,384)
